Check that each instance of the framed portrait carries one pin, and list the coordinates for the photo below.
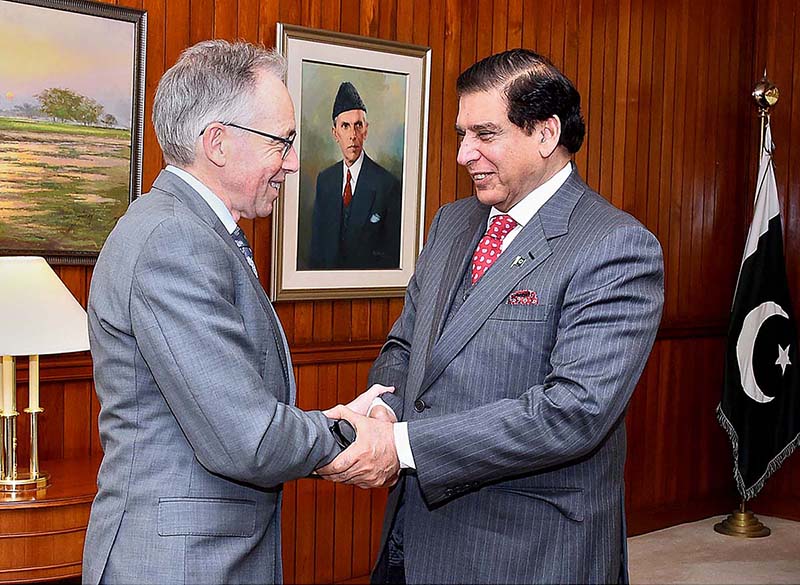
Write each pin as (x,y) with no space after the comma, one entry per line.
(348,222)
(71,123)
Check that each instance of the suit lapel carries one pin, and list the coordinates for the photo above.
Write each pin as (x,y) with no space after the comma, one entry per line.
(179,189)
(529,249)
(463,248)
(168,182)
(490,291)
(334,193)
(276,328)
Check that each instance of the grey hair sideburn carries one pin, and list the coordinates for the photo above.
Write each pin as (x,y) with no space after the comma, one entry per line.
(212,81)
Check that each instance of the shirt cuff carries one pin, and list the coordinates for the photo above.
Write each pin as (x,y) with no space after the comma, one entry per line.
(378,402)
(403,446)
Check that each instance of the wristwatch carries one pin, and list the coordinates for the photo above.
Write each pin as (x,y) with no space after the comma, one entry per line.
(343,432)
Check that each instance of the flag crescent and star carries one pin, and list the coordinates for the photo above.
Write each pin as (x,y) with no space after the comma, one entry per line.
(745,345)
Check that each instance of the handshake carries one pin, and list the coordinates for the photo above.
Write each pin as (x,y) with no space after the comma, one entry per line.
(371,460)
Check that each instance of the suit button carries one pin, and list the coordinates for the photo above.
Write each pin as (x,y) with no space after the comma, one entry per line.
(419,405)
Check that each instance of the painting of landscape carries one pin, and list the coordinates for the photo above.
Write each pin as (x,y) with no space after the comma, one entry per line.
(66,109)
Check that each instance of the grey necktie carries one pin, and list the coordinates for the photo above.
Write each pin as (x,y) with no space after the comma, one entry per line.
(244,246)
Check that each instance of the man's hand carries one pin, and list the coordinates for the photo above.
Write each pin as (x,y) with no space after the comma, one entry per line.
(381,412)
(371,461)
(362,403)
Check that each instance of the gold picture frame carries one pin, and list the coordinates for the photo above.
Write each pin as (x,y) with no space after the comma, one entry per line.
(394,81)
(72,123)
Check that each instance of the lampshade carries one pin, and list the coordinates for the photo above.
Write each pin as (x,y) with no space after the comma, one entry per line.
(38,314)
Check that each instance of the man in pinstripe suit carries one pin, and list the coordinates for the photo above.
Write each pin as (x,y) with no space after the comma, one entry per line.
(515,356)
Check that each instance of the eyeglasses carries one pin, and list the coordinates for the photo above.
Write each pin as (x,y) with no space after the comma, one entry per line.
(287,142)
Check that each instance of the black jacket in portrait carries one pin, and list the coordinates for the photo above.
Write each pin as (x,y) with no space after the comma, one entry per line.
(367,234)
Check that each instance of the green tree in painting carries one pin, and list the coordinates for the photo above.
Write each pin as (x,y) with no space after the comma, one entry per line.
(89,111)
(109,120)
(59,104)
(64,104)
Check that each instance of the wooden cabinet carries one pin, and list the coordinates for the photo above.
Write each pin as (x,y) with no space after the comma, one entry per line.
(42,532)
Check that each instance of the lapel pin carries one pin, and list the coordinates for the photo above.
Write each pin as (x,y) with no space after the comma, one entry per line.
(518,261)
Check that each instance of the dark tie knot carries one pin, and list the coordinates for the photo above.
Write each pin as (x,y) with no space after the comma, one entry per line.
(239,237)
(244,246)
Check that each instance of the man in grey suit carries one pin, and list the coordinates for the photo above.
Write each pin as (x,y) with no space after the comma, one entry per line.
(525,329)
(191,364)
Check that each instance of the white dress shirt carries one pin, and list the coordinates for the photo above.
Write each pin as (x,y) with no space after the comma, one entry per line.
(355,170)
(214,202)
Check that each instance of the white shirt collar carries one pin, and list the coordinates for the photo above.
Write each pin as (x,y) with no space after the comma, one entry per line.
(214,202)
(355,170)
(527,207)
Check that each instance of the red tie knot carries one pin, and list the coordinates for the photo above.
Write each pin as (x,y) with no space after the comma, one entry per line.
(501,226)
(489,246)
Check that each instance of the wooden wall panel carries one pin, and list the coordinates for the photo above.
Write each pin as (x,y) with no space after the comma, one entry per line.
(778,49)
(670,135)
(678,459)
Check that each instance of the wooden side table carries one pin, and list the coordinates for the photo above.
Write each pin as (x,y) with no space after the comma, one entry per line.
(42,533)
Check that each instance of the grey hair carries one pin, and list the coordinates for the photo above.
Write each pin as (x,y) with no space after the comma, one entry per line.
(212,81)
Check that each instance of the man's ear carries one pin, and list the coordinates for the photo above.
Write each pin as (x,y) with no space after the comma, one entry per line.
(214,145)
(549,133)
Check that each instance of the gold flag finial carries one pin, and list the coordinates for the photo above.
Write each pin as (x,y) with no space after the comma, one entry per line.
(765,93)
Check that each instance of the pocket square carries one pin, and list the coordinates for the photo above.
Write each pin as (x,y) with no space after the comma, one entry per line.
(375,218)
(523,297)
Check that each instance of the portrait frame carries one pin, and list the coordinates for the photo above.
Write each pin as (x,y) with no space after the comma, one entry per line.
(76,128)
(394,80)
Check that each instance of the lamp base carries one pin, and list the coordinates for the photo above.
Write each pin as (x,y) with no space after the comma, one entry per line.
(22,483)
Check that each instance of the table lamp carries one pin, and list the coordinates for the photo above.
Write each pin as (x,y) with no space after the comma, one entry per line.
(39,316)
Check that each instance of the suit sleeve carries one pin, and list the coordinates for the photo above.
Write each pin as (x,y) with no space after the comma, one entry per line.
(391,366)
(608,322)
(204,360)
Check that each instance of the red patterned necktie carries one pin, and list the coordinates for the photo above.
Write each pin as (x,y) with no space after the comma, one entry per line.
(347,196)
(489,247)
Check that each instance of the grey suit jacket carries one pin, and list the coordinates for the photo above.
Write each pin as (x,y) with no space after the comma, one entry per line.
(516,412)
(196,391)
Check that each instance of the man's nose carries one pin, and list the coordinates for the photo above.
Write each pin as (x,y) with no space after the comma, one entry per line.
(292,162)
(467,153)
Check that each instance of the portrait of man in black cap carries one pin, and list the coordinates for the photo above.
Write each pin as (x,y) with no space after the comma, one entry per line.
(357,206)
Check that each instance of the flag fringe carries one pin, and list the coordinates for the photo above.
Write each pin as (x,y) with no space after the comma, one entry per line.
(774,465)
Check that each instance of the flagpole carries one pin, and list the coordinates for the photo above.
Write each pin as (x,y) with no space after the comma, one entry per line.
(743,522)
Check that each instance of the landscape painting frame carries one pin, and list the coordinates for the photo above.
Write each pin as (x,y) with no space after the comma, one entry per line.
(72,122)
(393,80)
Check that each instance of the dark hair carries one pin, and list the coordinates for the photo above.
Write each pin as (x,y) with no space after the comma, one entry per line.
(535,90)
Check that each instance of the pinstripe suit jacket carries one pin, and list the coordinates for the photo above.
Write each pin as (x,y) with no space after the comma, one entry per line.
(520,448)
(196,391)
